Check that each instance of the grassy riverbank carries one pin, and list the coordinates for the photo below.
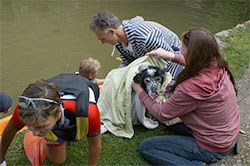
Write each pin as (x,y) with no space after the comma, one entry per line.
(121,151)
(237,49)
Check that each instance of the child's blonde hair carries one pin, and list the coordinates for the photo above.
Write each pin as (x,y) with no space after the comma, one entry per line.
(89,66)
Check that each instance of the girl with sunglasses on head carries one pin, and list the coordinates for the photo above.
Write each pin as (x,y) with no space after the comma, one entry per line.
(204,97)
(57,118)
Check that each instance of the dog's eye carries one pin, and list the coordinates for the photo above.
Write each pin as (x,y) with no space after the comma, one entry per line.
(147,80)
(137,78)
(158,79)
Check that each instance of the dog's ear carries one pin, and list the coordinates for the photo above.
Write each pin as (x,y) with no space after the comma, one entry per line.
(137,78)
(142,67)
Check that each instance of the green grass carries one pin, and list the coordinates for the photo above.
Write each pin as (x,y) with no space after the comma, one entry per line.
(121,151)
(115,150)
(237,51)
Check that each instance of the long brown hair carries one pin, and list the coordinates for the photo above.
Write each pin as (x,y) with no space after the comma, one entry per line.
(202,51)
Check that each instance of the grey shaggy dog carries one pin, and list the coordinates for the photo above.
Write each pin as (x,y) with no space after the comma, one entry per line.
(156,82)
(151,79)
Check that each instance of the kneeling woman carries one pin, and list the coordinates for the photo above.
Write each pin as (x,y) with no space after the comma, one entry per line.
(57,119)
(204,97)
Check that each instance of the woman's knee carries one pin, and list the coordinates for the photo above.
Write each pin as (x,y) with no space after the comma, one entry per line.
(141,148)
(146,145)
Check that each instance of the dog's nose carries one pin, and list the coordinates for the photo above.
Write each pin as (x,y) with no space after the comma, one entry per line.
(154,88)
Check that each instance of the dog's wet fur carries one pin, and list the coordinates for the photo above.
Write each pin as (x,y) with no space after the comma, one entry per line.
(151,78)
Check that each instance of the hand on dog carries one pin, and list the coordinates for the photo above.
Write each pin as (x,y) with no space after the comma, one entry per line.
(160,53)
(137,87)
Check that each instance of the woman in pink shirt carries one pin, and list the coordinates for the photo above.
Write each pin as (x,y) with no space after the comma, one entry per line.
(204,97)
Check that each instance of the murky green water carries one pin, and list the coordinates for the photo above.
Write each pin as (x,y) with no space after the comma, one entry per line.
(42,38)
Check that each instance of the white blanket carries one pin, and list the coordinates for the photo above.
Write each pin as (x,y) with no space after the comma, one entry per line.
(115,101)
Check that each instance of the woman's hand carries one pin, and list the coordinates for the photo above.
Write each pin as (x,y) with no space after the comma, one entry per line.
(137,87)
(160,53)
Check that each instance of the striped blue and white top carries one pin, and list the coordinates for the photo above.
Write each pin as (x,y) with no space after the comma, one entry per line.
(144,36)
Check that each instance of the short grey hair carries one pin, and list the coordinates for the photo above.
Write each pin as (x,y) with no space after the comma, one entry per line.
(104,20)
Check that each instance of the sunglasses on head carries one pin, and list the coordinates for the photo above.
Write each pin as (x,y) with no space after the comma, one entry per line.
(36,103)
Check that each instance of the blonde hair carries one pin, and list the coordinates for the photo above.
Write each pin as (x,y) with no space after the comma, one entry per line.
(89,66)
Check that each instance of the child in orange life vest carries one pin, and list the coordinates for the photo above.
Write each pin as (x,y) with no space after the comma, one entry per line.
(89,68)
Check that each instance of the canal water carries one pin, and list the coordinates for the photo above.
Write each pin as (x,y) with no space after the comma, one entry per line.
(41,38)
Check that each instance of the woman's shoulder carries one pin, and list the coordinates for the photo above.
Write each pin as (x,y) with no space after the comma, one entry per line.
(206,80)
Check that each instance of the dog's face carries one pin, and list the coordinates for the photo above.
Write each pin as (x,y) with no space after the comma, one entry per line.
(150,78)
